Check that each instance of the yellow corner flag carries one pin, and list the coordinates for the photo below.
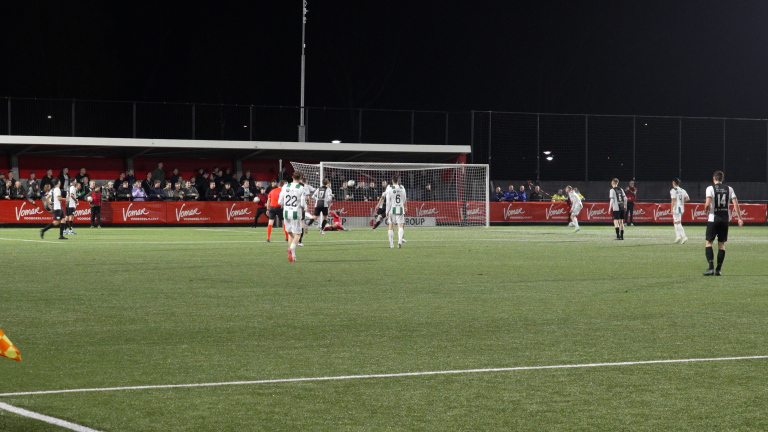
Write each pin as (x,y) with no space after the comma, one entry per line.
(7,349)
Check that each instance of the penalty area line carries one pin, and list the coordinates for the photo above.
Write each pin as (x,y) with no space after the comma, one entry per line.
(45,418)
(389,375)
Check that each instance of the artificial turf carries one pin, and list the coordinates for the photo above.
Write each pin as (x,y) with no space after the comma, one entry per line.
(119,307)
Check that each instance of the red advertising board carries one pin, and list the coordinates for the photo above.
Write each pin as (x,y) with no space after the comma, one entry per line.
(23,211)
(241,212)
(142,212)
(195,212)
(529,212)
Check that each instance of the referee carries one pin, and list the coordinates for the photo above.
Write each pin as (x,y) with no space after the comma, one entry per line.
(275,211)
(718,197)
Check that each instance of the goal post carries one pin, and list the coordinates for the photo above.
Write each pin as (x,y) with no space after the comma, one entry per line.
(437,194)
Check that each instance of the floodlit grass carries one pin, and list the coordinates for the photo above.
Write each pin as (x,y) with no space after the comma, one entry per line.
(136,307)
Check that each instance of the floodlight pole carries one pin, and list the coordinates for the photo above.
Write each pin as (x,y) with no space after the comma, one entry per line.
(302,126)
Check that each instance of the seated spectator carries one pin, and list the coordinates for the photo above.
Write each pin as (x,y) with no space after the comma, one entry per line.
(521,195)
(536,195)
(180,181)
(138,192)
(190,192)
(85,189)
(108,192)
(33,192)
(178,194)
(212,194)
(124,192)
(156,193)
(174,178)
(497,195)
(510,195)
(44,196)
(11,178)
(227,194)
(169,192)
(119,182)
(245,192)
(147,184)
(17,191)
(428,194)
(46,180)
(559,197)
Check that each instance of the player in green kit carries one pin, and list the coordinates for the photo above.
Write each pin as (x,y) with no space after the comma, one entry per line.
(396,209)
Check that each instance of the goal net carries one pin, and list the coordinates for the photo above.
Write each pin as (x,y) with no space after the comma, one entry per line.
(437,194)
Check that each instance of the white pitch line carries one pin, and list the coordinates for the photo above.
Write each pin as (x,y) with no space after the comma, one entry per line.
(45,418)
(33,241)
(390,375)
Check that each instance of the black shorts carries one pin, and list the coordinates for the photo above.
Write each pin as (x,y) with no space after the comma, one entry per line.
(320,210)
(275,212)
(70,211)
(717,229)
(58,215)
(618,214)
(382,211)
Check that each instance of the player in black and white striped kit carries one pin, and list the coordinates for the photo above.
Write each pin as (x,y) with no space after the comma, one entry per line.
(718,198)
(323,197)
(58,213)
(617,200)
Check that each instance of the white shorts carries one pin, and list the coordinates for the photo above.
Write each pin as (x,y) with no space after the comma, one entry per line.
(677,217)
(576,210)
(293,226)
(396,219)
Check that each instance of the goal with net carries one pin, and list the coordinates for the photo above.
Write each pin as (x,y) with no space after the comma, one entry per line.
(438,194)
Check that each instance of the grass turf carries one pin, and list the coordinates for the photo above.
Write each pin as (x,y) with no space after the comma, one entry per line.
(132,307)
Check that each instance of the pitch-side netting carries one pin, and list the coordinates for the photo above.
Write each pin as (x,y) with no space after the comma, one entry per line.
(438,194)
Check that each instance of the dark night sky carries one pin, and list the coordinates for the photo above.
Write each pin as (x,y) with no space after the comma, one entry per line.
(705,58)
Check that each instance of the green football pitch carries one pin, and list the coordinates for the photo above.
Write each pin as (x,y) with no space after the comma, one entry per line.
(500,328)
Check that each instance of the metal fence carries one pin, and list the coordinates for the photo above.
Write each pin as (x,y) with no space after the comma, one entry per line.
(597,147)
(49,117)
(581,147)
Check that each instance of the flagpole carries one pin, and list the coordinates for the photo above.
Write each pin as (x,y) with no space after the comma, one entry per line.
(302,126)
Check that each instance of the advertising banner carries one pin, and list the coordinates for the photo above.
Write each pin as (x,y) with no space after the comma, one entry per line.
(214,212)
(22,211)
(125,212)
(529,212)
(362,213)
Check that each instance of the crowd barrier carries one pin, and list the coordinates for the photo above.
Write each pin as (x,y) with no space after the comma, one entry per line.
(359,214)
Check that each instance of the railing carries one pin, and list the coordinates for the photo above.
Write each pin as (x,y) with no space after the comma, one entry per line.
(598,147)
(56,117)
(581,147)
